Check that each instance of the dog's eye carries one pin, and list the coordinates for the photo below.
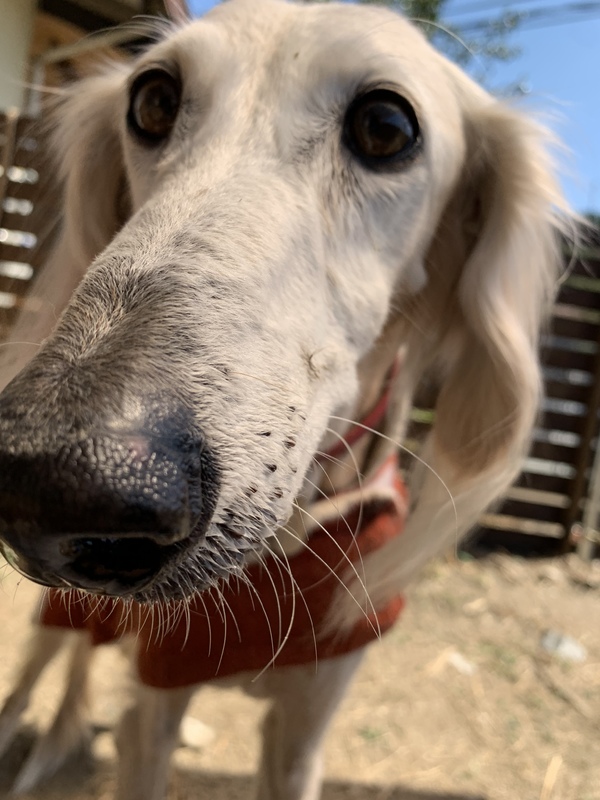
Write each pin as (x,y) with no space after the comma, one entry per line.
(381,127)
(153,105)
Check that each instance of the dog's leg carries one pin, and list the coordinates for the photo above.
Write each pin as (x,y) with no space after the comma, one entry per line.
(146,738)
(70,730)
(305,699)
(44,645)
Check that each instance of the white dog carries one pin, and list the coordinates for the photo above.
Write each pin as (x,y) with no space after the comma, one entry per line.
(260,214)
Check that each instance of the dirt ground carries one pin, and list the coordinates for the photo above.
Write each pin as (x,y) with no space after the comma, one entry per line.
(459,702)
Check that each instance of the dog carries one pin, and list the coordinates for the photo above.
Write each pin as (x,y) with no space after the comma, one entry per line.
(277,222)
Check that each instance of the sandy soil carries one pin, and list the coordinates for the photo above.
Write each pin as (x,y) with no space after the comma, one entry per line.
(459,702)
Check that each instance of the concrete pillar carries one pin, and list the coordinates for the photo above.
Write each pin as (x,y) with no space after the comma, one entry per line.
(16,27)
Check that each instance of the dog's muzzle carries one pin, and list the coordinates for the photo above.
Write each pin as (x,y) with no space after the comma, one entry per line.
(110,512)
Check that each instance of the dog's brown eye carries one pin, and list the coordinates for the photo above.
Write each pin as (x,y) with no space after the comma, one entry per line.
(381,128)
(153,105)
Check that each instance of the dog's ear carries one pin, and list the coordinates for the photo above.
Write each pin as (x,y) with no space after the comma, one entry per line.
(85,142)
(87,146)
(178,10)
(492,270)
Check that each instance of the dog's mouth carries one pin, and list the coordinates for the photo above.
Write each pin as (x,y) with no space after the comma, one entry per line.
(118,566)
(143,559)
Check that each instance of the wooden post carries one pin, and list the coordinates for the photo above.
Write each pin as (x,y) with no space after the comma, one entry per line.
(16,27)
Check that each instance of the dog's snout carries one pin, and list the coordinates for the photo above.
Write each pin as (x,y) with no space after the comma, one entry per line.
(107,512)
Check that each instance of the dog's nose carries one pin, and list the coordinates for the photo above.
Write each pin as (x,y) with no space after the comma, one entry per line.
(106,513)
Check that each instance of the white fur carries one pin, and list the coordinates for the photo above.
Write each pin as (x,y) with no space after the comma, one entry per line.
(325,270)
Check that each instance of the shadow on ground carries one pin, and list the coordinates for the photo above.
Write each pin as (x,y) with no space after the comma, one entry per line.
(82,778)
(69,780)
(227,787)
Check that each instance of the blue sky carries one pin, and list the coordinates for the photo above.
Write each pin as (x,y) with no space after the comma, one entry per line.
(560,64)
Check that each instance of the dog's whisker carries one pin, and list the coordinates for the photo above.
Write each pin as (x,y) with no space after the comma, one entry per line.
(452,34)
(286,635)
(224,607)
(182,613)
(8,345)
(351,531)
(345,559)
(256,596)
(201,598)
(64,599)
(411,453)
(283,561)
(163,619)
(148,620)
(159,620)
(357,472)
(276,594)
(158,613)
(167,622)
(349,451)
(344,555)
(6,570)
(320,456)
(332,499)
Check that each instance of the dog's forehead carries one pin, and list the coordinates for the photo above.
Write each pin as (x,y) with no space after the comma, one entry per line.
(275,76)
(272,45)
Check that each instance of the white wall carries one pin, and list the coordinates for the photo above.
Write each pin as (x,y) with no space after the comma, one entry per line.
(16,25)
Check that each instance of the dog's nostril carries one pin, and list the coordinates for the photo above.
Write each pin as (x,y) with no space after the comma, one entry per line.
(97,562)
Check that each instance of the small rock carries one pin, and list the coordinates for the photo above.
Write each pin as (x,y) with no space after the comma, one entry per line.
(512,569)
(103,747)
(195,734)
(453,657)
(563,646)
(582,572)
(461,664)
(552,573)
(476,607)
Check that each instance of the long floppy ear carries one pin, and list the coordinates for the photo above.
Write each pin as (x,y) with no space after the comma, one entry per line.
(87,157)
(497,255)
(178,10)
(87,148)
(491,267)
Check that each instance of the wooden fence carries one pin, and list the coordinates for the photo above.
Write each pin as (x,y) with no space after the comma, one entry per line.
(29,205)
(550,495)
